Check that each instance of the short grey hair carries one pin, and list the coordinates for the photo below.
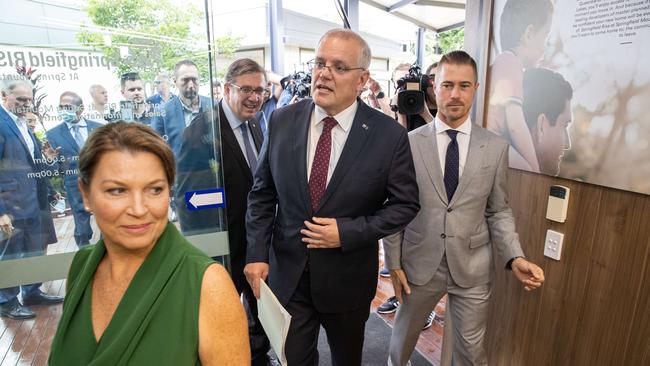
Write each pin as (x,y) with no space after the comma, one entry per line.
(11,82)
(366,55)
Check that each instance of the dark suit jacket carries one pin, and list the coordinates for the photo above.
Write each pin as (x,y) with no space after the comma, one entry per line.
(60,136)
(23,192)
(372,194)
(170,124)
(199,147)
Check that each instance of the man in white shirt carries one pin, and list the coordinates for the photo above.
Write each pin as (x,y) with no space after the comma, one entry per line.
(23,196)
(447,249)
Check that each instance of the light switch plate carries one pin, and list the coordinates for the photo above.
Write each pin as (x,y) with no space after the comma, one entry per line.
(553,244)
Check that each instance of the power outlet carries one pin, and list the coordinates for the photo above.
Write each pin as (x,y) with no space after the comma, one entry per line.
(553,244)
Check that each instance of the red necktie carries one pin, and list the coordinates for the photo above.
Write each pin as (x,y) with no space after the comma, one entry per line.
(320,165)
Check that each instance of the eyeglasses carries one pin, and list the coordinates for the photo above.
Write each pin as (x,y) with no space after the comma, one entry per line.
(337,68)
(247,90)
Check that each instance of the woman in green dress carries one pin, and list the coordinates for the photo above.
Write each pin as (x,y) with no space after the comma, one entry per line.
(143,295)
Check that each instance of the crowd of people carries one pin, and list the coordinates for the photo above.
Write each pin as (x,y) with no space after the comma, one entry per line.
(312,186)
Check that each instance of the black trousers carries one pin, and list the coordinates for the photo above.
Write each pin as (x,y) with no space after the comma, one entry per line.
(345,331)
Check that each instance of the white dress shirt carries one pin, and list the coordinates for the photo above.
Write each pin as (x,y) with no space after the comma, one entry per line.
(443,140)
(340,134)
(236,126)
(83,129)
(24,131)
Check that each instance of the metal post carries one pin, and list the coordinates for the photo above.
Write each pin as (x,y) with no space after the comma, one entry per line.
(352,10)
(420,47)
(276,31)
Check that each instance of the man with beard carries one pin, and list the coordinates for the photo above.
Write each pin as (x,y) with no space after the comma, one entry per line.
(134,108)
(69,137)
(179,112)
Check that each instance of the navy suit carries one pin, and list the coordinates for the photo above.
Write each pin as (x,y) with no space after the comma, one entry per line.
(372,193)
(60,137)
(23,196)
(170,124)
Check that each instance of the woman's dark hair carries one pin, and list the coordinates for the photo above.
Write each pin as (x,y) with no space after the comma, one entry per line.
(124,136)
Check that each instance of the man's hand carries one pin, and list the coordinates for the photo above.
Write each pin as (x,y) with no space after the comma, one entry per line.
(256,272)
(323,233)
(51,153)
(5,224)
(426,114)
(400,283)
(527,273)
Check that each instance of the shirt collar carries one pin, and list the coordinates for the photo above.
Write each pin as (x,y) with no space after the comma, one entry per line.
(465,128)
(233,121)
(81,123)
(186,108)
(344,118)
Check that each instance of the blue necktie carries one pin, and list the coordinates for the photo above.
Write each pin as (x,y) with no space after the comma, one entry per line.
(250,153)
(77,135)
(452,163)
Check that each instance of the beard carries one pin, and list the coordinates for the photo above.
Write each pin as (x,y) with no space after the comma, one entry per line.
(190,94)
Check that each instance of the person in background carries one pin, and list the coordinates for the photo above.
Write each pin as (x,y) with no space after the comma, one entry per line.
(100,110)
(25,230)
(69,137)
(524,28)
(163,94)
(217,91)
(270,102)
(134,104)
(176,306)
(547,109)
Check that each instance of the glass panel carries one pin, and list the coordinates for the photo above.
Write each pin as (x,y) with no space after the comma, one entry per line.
(69,67)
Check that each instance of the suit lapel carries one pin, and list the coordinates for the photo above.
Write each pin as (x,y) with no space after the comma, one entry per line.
(300,137)
(229,141)
(477,143)
(12,126)
(65,133)
(256,133)
(359,132)
(428,149)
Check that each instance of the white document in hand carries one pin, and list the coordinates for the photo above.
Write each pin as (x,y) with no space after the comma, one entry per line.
(275,319)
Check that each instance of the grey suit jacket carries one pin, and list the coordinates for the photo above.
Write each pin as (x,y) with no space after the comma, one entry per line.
(477,218)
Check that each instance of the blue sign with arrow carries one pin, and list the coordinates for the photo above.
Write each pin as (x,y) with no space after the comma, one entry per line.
(204,199)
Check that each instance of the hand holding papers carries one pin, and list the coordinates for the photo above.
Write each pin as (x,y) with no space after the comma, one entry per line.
(275,319)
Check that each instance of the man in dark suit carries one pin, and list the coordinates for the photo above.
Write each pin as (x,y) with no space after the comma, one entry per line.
(69,137)
(241,139)
(179,112)
(23,196)
(334,176)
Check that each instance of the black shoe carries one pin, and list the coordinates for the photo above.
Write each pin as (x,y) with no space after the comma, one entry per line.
(384,273)
(390,306)
(41,298)
(429,321)
(14,310)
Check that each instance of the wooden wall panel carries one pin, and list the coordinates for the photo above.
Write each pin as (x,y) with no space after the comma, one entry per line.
(593,308)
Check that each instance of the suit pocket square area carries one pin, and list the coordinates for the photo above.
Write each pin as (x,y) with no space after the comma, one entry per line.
(479,239)
(412,236)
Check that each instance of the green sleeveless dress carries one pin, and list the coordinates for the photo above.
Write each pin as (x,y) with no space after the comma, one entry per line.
(155,323)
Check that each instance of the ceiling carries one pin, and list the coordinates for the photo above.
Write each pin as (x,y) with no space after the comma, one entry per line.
(437,16)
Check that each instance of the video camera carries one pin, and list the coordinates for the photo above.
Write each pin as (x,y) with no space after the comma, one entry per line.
(297,84)
(411,95)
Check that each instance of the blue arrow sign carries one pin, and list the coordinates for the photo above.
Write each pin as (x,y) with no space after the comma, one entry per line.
(203,199)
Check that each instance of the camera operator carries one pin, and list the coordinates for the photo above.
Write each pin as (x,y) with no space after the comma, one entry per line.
(295,87)
(405,101)
(271,98)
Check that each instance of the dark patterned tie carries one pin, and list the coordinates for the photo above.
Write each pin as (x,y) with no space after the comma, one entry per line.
(250,154)
(320,165)
(451,165)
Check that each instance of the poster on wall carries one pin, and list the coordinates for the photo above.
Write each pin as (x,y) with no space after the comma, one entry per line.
(568,87)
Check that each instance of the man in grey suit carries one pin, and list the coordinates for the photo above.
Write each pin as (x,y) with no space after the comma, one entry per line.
(461,172)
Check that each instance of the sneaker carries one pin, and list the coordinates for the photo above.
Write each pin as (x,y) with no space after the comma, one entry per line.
(384,273)
(429,321)
(390,306)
